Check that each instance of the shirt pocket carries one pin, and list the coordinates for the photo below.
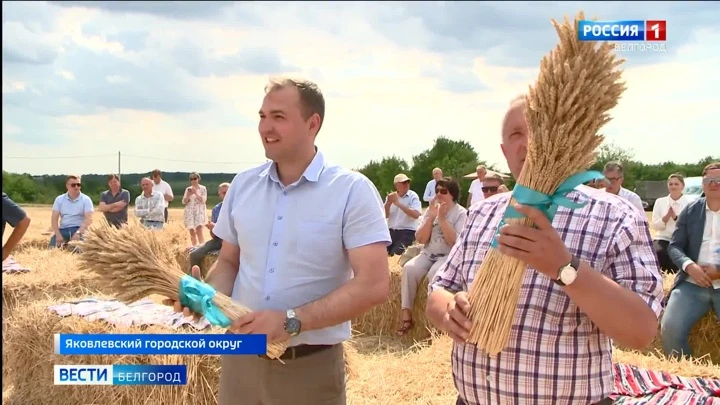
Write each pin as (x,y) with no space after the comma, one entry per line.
(319,244)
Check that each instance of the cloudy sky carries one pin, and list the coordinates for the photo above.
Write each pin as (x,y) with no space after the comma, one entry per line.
(177,85)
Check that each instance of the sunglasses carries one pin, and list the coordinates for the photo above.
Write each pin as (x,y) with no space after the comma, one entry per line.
(491,189)
(711,180)
(76,185)
(442,191)
(193,178)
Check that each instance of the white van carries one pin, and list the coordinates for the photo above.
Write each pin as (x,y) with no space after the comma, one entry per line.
(693,187)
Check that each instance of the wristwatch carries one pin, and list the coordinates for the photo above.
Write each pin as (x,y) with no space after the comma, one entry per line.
(568,272)
(292,323)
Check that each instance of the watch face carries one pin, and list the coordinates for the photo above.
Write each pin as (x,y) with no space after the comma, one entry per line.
(568,274)
(292,326)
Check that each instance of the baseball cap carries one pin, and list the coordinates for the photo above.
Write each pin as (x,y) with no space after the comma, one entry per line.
(401,178)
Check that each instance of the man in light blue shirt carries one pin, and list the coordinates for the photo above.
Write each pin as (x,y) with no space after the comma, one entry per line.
(304,248)
(71,214)
(430,187)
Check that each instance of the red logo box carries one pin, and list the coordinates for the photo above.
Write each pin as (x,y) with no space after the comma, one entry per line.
(655,30)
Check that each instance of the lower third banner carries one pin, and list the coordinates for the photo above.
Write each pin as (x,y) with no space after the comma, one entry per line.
(120,374)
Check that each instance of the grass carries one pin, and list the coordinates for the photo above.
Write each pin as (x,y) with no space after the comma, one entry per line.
(385,370)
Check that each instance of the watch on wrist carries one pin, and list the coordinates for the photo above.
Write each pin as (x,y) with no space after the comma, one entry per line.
(568,273)
(292,323)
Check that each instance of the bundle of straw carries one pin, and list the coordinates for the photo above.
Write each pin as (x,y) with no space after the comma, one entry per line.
(133,263)
(576,86)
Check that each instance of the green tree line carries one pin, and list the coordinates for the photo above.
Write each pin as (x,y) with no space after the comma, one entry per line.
(455,158)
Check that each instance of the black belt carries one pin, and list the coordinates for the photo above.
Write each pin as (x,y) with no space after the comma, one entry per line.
(299,351)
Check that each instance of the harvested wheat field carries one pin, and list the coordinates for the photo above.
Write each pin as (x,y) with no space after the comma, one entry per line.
(383,369)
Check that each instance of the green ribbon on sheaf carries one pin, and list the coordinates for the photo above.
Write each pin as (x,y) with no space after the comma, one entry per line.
(546,203)
(198,296)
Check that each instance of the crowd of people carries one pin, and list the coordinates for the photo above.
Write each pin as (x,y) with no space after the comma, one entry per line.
(313,241)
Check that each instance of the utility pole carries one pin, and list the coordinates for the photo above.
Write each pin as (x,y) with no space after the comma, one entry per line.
(119,171)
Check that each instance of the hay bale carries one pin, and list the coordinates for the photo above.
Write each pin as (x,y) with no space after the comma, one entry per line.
(29,360)
(383,320)
(54,274)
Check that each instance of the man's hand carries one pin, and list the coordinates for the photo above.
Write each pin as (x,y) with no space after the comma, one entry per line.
(712,271)
(698,274)
(392,197)
(454,321)
(265,322)
(76,236)
(59,240)
(177,306)
(210,225)
(539,247)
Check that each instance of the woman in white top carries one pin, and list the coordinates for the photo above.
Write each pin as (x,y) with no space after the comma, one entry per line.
(664,217)
(195,214)
(439,228)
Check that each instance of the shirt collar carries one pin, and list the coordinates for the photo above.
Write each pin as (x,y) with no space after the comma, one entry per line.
(67,195)
(312,172)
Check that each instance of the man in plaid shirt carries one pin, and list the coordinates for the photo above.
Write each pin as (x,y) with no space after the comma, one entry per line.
(560,349)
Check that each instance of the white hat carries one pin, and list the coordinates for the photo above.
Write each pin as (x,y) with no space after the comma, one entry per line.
(401,178)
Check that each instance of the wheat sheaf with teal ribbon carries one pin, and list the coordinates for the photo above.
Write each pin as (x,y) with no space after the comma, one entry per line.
(578,83)
(133,262)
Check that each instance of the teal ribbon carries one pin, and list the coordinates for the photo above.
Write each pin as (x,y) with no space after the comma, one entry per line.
(548,204)
(198,296)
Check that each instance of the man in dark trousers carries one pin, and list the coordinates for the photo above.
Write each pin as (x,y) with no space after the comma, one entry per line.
(695,248)
(18,219)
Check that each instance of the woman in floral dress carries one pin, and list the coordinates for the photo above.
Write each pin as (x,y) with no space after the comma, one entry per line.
(195,214)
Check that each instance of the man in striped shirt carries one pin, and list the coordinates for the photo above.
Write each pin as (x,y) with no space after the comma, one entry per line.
(592,276)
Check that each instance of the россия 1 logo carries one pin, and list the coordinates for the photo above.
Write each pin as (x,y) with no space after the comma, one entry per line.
(628,35)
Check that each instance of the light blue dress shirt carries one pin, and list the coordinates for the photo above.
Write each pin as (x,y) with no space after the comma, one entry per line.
(72,212)
(294,239)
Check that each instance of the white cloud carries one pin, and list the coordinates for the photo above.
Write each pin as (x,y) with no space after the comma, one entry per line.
(383,96)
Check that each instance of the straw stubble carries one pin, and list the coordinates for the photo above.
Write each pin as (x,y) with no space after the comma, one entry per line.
(133,263)
(577,85)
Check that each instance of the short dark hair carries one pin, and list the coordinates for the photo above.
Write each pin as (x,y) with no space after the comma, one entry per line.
(496,177)
(156,173)
(711,166)
(112,177)
(72,177)
(613,166)
(451,185)
(312,100)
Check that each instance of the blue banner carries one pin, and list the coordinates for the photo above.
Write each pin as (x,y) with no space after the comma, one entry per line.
(148,344)
(120,374)
(630,30)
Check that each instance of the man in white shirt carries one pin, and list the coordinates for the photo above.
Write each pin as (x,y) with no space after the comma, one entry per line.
(665,214)
(402,209)
(695,248)
(475,193)
(430,187)
(614,174)
(162,187)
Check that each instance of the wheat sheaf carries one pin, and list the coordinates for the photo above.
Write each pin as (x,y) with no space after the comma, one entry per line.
(578,83)
(133,263)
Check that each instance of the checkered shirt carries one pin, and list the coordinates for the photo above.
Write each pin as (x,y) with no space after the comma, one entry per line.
(555,354)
